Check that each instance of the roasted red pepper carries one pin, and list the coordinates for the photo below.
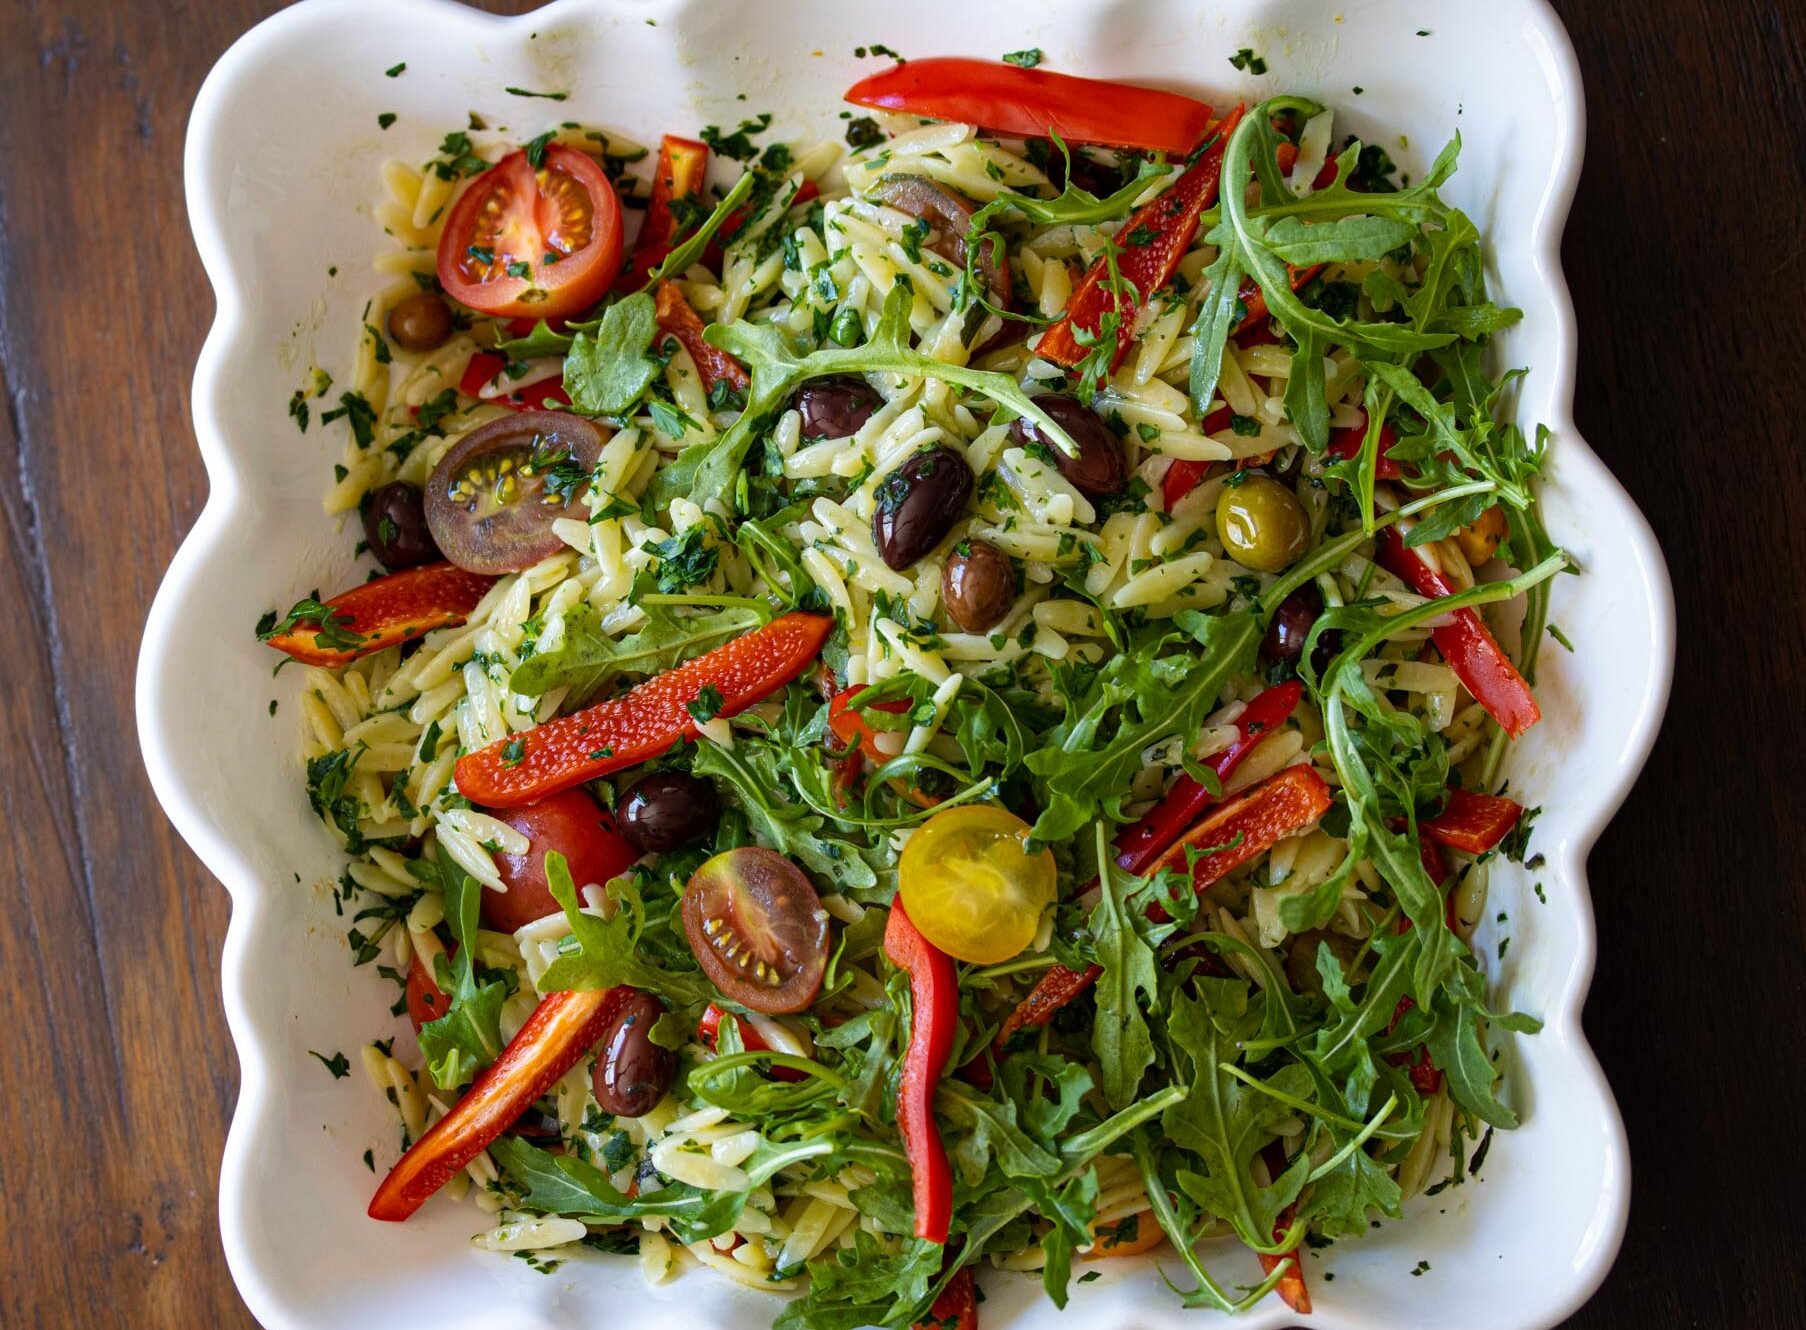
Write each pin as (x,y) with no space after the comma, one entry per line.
(1250,824)
(1037,103)
(934,1005)
(545,395)
(560,1031)
(384,613)
(1291,1286)
(1254,300)
(708,1031)
(683,165)
(1465,643)
(676,318)
(1346,443)
(852,729)
(1423,1073)
(646,720)
(1152,241)
(957,1306)
(1472,822)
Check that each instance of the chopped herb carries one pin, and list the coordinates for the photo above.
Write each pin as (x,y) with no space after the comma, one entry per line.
(1027,59)
(1246,426)
(328,625)
(1246,59)
(338,1064)
(737,145)
(526,92)
(536,148)
(514,750)
(385,119)
(863,131)
(394,71)
(707,705)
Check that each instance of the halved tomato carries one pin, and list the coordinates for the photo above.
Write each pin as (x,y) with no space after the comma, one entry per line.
(540,244)
(578,828)
(758,929)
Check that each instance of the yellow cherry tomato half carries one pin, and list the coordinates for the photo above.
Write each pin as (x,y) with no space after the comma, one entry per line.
(971,885)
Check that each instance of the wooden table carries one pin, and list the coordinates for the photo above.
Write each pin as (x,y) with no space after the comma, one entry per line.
(1687,255)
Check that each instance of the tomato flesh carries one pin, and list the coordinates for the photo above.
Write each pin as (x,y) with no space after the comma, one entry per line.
(972,886)
(758,929)
(538,243)
(571,823)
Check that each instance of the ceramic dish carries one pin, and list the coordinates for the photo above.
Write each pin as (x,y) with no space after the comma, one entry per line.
(282,165)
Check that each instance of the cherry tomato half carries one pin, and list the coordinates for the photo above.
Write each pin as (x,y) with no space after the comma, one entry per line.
(972,887)
(758,929)
(540,244)
(571,823)
(427,1002)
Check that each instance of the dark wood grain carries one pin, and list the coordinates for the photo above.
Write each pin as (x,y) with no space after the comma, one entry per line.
(1687,256)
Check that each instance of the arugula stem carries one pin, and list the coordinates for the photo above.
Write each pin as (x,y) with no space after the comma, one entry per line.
(1336,1160)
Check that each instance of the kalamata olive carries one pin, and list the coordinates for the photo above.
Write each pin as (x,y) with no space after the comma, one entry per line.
(949,217)
(632,1073)
(837,406)
(1100,467)
(1261,524)
(1291,625)
(978,585)
(1301,960)
(918,503)
(491,501)
(395,527)
(422,322)
(668,809)
(758,929)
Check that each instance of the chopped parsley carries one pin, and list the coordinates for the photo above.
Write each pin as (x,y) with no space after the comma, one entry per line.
(338,1064)
(528,92)
(1026,59)
(385,119)
(1245,59)
(707,704)
(395,71)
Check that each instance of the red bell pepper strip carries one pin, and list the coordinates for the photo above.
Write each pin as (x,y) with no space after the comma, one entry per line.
(677,319)
(643,722)
(1037,103)
(852,729)
(1261,817)
(1291,1286)
(384,613)
(561,1029)
(1164,230)
(1423,1073)
(1346,443)
(1465,643)
(934,1004)
(683,165)
(1254,300)
(1140,845)
(957,1306)
(480,372)
(1471,822)
(708,1031)
(712,254)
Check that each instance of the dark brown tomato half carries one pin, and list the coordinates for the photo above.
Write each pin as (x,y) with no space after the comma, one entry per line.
(491,501)
(632,1073)
(949,216)
(758,929)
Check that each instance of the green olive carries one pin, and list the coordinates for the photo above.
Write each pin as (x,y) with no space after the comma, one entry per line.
(1262,525)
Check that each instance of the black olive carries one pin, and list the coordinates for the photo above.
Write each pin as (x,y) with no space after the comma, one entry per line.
(978,585)
(918,504)
(836,406)
(633,1073)
(668,809)
(1100,467)
(395,527)
(420,323)
(492,499)
(949,216)
(1291,626)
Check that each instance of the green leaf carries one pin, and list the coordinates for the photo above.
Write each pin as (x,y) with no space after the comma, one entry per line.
(863,1285)
(602,953)
(606,371)
(1344,240)
(685,254)
(755,771)
(588,657)
(468,1036)
(990,1132)
(1217,316)
(1129,985)
(1071,1209)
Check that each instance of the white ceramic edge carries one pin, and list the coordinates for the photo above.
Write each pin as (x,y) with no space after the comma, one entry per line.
(225,862)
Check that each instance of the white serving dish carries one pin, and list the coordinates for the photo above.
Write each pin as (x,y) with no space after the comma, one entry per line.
(281,165)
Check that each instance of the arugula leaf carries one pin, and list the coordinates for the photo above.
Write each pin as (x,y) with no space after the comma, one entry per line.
(1071,1208)
(468,1037)
(1344,240)
(755,771)
(1459,1051)
(1130,982)
(683,255)
(706,471)
(607,370)
(588,657)
(603,953)
(863,1285)
(991,1133)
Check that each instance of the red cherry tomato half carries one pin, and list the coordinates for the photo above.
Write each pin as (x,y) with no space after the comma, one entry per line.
(427,1002)
(571,823)
(541,244)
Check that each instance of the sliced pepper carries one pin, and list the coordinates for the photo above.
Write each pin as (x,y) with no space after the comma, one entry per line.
(956,1308)
(1472,822)
(1291,1286)
(683,165)
(1425,1077)
(646,720)
(708,1033)
(1346,443)
(1254,300)
(1152,241)
(934,1007)
(1465,643)
(383,613)
(560,1030)
(480,372)
(853,730)
(1037,103)
(677,319)
(1248,825)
